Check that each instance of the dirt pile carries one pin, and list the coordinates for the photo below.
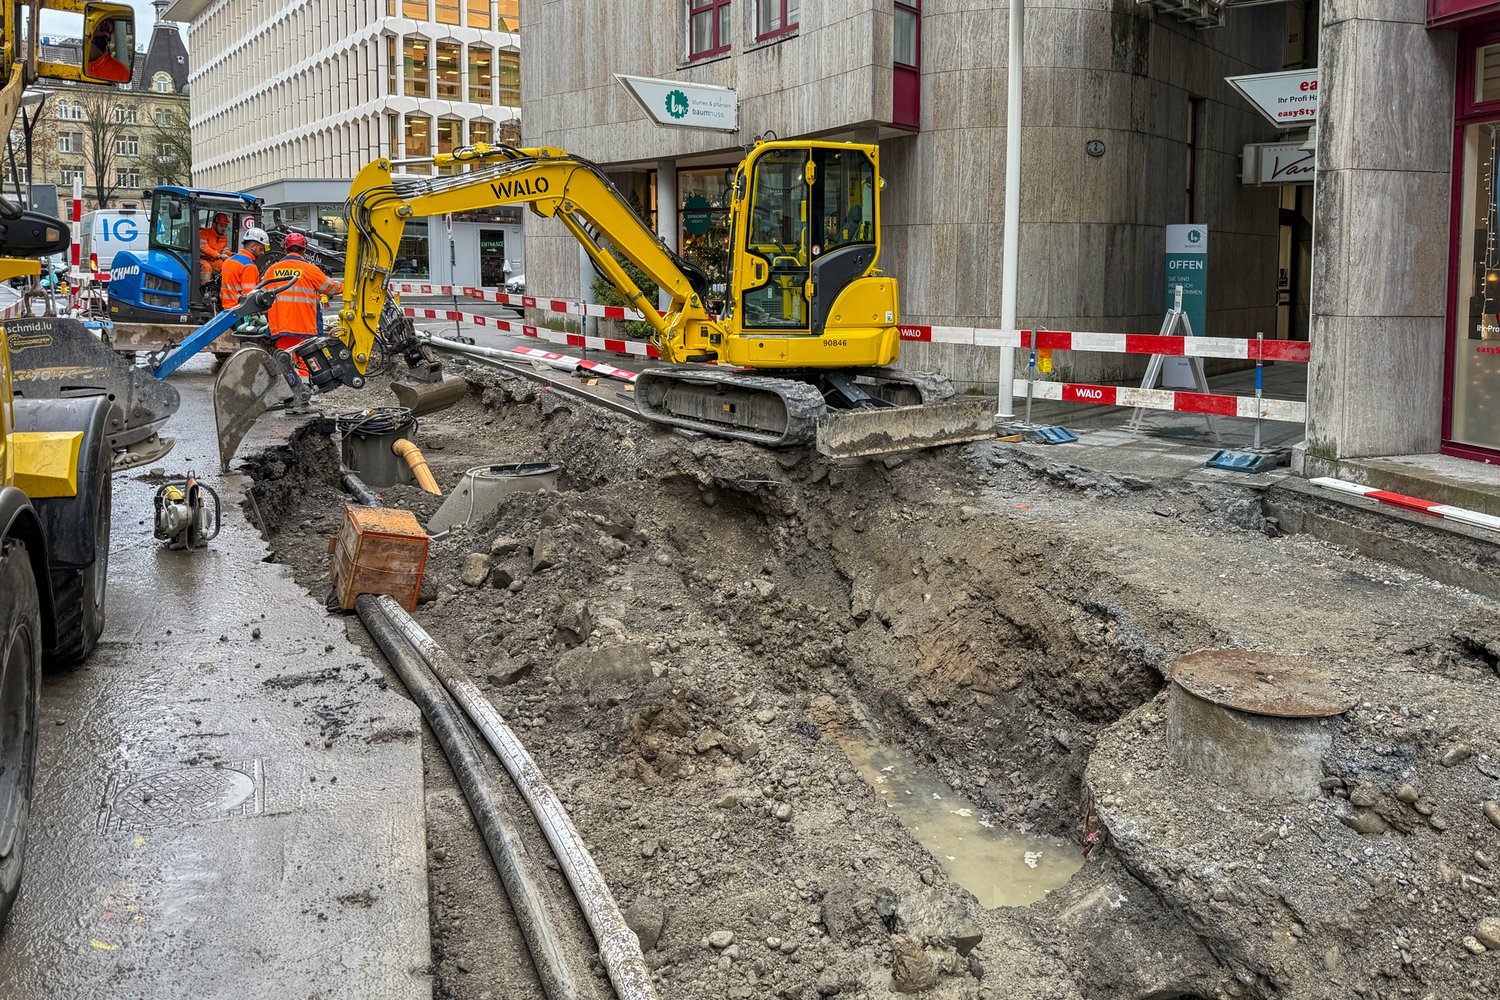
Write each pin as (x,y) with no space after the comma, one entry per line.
(684,633)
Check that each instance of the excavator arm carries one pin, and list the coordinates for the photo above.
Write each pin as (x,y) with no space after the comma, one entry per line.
(553,184)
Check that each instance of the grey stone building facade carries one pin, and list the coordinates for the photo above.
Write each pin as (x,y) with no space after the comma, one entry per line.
(1144,91)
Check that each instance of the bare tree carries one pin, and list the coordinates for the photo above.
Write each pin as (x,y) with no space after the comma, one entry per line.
(170,138)
(107,123)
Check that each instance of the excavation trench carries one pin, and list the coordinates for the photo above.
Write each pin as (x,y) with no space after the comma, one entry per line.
(715,651)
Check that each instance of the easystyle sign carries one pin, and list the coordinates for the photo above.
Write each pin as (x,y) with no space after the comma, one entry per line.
(1278,163)
(685,105)
(1288,98)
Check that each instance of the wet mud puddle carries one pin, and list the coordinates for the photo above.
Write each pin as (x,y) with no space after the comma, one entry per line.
(1000,867)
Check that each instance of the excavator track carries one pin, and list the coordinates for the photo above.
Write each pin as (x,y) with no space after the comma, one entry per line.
(763,409)
(784,412)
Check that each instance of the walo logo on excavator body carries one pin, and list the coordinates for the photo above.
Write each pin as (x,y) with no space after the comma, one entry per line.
(521,188)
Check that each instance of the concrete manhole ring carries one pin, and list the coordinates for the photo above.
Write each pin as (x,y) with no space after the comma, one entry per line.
(1283,685)
(191,793)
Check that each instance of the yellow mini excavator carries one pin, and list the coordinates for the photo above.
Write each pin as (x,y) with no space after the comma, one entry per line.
(801,355)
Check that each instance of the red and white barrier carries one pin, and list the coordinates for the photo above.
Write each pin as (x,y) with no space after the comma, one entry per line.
(1114,343)
(633,348)
(563,362)
(1292,411)
(561,307)
(1444,511)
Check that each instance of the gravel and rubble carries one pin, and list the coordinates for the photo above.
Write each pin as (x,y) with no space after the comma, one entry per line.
(683,633)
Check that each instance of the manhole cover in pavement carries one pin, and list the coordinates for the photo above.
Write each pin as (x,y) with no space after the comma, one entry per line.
(184,795)
(1277,684)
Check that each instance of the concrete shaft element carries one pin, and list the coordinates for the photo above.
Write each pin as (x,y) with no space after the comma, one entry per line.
(1268,759)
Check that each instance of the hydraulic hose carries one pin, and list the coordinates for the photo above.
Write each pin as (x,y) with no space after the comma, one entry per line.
(619,950)
(413,455)
(509,854)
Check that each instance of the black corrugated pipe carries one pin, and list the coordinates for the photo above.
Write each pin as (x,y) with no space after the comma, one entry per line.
(356,488)
(509,854)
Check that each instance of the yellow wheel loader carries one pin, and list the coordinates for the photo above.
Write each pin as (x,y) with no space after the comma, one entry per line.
(801,356)
(55,453)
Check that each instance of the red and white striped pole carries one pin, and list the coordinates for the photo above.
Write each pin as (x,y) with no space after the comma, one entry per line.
(75,271)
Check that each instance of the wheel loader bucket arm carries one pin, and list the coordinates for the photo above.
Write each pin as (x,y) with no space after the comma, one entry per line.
(551,183)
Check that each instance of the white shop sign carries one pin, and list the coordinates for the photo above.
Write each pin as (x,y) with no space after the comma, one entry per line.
(1278,163)
(1288,98)
(685,105)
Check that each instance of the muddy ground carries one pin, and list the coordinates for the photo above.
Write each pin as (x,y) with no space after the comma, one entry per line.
(682,633)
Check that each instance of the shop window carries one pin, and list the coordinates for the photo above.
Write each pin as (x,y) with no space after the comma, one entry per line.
(708,28)
(445,11)
(479,13)
(481,73)
(449,66)
(774,18)
(703,224)
(330,219)
(510,15)
(1475,417)
(417,63)
(411,255)
(510,79)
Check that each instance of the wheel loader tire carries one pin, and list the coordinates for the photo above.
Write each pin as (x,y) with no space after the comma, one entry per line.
(78,596)
(20,709)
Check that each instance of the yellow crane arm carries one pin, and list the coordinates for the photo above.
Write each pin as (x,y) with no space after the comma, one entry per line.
(552,183)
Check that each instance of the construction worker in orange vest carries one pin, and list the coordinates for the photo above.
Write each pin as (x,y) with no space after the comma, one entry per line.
(240,273)
(294,315)
(213,247)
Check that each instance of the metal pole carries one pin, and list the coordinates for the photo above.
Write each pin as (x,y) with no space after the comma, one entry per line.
(1012,231)
(1260,340)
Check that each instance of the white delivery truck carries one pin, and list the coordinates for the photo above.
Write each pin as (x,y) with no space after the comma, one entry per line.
(106,232)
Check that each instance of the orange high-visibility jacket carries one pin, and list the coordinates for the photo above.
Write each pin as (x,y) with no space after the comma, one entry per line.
(239,276)
(295,311)
(213,245)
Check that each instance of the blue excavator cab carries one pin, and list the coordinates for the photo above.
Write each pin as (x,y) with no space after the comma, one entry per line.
(165,285)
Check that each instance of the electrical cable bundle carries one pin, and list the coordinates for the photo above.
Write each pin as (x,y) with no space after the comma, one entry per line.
(375,421)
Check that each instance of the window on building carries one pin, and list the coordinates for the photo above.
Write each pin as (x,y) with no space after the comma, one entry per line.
(67,175)
(445,11)
(127,115)
(163,151)
(907,51)
(390,7)
(775,17)
(392,73)
(330,218)
(411,255)
(414,9)
(510,79)
(510,15)
(450,136)
(708,28)
(70,142)
(418,136)
(128,145)
(127,178)
(481,74)
(418,65)
(481,132)
(162,83)
(478,13)
(159,116)
(450,61)
(393,136)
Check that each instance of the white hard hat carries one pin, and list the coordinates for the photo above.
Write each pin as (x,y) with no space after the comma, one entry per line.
(256,236)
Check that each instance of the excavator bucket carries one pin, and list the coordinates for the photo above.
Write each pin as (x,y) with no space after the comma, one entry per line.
(60,358)
(878,431)
(248,385)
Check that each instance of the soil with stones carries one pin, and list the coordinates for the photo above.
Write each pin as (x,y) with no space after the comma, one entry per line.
(684,630)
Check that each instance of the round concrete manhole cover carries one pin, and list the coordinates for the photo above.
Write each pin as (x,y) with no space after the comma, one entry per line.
(1276,684)
(193,793)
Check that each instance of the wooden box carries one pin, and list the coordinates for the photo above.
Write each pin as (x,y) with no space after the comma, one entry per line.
(379,550)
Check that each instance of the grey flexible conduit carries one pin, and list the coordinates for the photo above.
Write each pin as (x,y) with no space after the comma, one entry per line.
(619,950)
(499,834)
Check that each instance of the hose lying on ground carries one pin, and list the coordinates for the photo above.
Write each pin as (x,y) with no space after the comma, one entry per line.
(509,854)
(619,950)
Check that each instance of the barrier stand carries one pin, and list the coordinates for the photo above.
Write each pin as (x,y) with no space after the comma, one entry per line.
(1154,368)
(1256,459)
(1048,434)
